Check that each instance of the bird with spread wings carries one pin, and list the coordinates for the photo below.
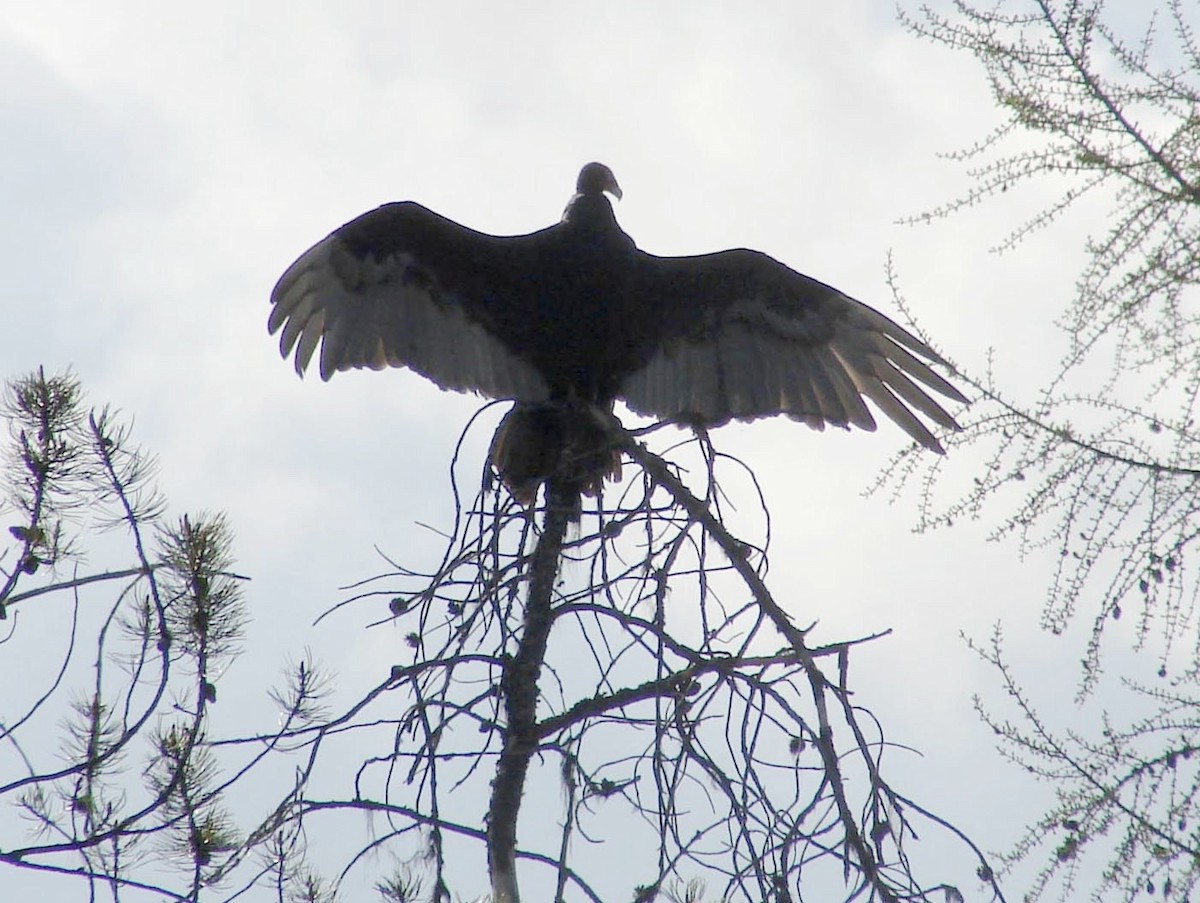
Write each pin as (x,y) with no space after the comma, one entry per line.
(569,319)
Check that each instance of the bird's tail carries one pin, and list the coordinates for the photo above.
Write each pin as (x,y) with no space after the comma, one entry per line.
(566,446)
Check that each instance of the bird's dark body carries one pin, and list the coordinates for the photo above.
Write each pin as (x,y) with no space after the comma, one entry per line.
(568,319)
(581,270)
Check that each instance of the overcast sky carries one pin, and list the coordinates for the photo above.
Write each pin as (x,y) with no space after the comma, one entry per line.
(163,163)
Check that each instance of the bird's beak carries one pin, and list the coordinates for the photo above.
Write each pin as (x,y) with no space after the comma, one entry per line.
(613,188)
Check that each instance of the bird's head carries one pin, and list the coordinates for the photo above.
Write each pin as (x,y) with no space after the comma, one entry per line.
(595,179)
(589,209)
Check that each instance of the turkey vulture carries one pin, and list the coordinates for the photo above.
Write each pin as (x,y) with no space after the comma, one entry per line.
(569,319)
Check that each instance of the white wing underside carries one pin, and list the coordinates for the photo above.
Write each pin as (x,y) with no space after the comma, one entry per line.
(381,313)
(757,362)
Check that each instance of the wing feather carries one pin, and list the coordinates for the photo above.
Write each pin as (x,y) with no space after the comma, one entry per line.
(310,334)
(842,378)
(401,286)
(737,360)
(828,404)
(800,398)
(904,387)
(902,416)
(913,366)
(742,336)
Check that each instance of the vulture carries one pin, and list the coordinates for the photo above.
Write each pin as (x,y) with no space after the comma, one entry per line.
(567,320)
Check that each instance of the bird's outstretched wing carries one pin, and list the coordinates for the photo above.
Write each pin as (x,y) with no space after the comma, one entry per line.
(401,286)
(742,336)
